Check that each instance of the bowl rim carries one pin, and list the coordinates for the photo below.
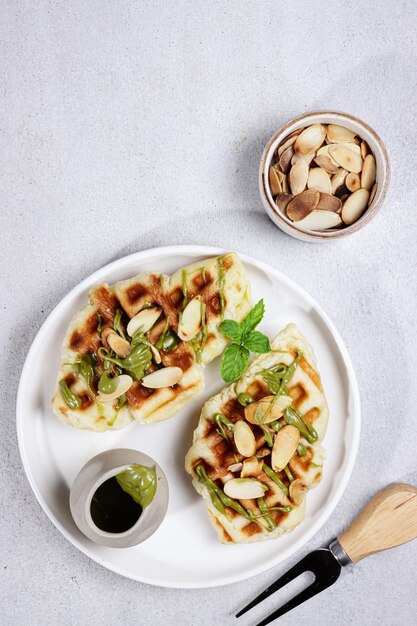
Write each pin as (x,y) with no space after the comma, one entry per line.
(311,235)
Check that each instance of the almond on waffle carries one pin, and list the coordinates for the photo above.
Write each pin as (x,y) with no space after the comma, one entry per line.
(256,449)
(127,355)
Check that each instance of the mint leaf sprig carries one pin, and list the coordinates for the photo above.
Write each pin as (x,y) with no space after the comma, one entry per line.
(245,339)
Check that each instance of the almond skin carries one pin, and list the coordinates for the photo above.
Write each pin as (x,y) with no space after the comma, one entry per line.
(274,181)
(283,200)
(328,202)
(285,159)
(303,204)
(326,163)
(372,194)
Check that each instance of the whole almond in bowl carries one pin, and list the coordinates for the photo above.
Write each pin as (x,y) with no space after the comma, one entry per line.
(323,162)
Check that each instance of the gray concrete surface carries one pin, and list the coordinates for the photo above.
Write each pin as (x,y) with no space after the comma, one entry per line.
(126,125)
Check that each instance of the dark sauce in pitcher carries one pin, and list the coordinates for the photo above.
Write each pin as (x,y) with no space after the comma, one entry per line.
(112,509)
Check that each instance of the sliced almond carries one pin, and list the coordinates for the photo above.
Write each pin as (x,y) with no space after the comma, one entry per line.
(339,134)
(338,179)
(364,149)
(165,377)
(281,175)
(324,151)
(372,194)
(307,158)
(343,198)
(298,177)
(283,200)
(235,467)
(285,186)
(260,454)
(303,204)
(155,353)
(285,445)
(326,163)
(320,180)
(328,202)
(119,345)
(267,410)
(123,384)
(355,205)
(190,322)
(106,332)
(346,146)
(244,488)
(346,158)
(368,172)
(274,181)
(285,159)
(353,182)
(251,467)
(245,441)
(144,320)
(310,139)
(320,220)
(287,143)
(298,491)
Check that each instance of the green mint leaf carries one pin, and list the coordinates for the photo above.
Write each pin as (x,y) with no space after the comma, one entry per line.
(231,329)
(252,319)
(234,362)
(257,342)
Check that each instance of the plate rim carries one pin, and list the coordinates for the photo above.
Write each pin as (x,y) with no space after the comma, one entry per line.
(328,509)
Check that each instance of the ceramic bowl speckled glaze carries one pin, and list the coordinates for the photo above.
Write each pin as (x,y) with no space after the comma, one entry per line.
(99,469)
(325,117)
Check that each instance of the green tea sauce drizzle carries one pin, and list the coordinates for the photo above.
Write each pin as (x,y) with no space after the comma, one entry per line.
(119,502)
(221,282)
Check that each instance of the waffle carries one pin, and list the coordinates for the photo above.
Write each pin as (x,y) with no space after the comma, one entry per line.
(217,453)
(221,284)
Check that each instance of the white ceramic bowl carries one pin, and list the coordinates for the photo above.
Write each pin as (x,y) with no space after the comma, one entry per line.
(325,117)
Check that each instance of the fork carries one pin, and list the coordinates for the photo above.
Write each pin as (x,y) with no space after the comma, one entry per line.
(388,520)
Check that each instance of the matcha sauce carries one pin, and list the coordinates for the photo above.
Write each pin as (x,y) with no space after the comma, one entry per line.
(118,503)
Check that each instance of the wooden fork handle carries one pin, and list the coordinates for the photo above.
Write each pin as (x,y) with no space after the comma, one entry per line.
(388,520)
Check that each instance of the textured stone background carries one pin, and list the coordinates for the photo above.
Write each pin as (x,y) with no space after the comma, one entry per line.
(127,125)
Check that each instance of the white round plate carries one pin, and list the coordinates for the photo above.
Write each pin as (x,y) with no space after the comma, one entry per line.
(185,551)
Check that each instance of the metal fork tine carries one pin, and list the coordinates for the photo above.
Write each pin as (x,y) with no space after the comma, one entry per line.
(301,597)
(296,570)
